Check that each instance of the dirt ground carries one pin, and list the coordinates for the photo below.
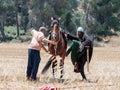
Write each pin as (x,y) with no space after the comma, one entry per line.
(104,70)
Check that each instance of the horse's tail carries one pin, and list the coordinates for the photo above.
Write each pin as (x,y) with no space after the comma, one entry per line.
(46,67)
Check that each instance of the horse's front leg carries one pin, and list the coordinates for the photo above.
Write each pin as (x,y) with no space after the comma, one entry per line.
(54,68)
(61,67)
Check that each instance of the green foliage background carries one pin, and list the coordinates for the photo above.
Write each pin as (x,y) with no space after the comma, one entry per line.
(100,18)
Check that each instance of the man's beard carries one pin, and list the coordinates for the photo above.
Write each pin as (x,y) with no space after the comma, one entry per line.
(80,36)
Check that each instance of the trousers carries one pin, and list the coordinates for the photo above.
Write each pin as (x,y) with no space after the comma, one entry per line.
(33,63)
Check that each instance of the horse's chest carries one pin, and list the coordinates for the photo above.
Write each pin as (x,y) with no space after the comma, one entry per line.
(55,50)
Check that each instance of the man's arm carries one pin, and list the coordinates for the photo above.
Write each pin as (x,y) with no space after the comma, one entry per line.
(49,41)
(87,41)
(44,48)
(71,37)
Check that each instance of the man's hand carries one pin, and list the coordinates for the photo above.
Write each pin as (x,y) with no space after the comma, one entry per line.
(81,47)
(48,52)
(54,43)
(65,32)
(43,40)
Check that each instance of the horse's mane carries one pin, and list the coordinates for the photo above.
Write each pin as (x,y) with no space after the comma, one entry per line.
(64,38)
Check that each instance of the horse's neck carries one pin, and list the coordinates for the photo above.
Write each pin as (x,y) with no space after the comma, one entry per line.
(61,39)
(57,36)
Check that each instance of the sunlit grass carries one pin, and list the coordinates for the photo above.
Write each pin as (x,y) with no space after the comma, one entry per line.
(104,68)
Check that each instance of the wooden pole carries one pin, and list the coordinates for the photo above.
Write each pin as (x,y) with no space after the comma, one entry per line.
(87,58)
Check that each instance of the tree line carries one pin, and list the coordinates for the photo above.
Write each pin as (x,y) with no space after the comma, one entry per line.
(98,17)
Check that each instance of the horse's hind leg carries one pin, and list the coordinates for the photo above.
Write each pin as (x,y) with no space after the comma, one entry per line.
(54,68)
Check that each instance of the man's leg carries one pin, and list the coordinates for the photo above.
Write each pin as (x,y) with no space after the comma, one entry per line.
(83,75)
(29,66)
(81,66)
(35,65)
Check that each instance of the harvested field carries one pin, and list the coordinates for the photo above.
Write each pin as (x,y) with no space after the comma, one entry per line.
(104,70)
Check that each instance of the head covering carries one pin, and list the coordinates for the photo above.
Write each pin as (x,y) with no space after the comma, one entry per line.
(41,28)
(80,29)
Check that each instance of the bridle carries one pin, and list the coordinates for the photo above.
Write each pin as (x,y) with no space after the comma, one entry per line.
(54,34)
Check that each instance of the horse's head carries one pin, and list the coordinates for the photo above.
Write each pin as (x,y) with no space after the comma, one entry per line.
(54,28)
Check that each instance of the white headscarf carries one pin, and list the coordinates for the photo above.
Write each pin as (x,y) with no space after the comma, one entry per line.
(80,29)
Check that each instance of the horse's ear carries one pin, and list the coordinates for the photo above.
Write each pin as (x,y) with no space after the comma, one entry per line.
(59,19)
(52,18)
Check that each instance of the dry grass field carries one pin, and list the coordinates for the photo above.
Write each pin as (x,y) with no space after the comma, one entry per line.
(104,70)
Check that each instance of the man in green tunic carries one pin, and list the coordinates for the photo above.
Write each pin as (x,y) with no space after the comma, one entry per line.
(79,51)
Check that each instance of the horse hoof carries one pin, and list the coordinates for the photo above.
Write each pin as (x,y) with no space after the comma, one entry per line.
(61,80)
(84,80)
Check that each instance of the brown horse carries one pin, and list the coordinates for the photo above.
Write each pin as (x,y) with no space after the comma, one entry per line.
(58,36)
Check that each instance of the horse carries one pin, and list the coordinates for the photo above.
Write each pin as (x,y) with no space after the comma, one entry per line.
(59,49)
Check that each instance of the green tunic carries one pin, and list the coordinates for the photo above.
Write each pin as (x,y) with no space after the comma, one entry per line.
(74,47)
